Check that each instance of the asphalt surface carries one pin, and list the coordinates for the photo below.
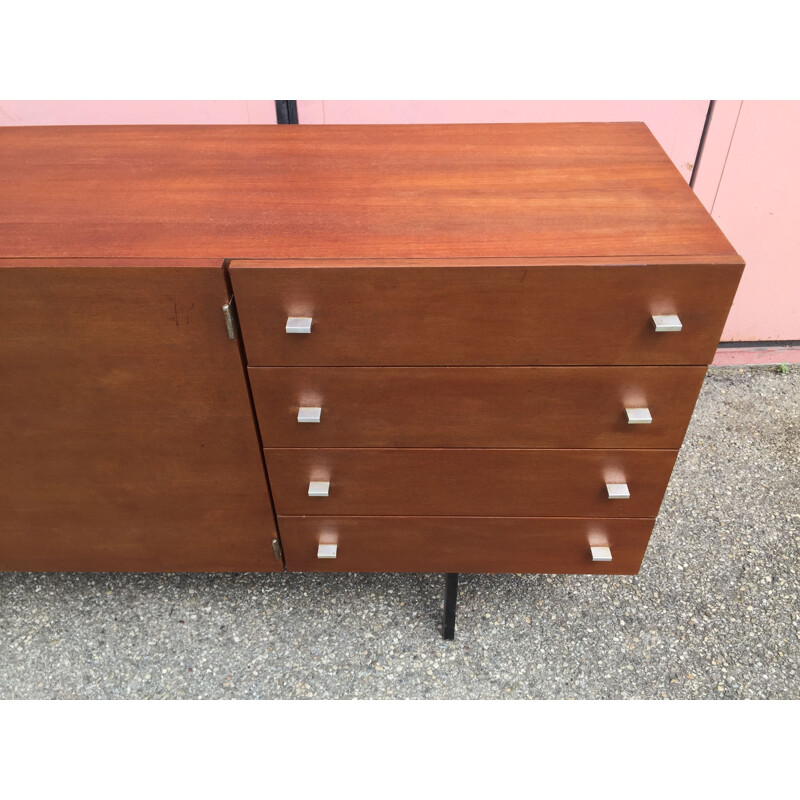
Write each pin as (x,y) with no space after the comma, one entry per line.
(714,612)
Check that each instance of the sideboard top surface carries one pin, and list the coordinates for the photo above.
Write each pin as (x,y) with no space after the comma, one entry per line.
(499,191)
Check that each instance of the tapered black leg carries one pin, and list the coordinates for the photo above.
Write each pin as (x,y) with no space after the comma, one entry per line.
(450,597)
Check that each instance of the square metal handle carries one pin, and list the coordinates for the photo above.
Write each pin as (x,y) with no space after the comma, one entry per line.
(299,324)
(601,554)
(638,416)
(319,488)
(664,323)
(618,491)
(309,414)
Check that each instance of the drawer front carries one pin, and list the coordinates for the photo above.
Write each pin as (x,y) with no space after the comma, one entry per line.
(581,407)
(463,544)
(477,316)
(366,482)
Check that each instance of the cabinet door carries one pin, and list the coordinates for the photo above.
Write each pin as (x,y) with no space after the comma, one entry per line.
(128,441)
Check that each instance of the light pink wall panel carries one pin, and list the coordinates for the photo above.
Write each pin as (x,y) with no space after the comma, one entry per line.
(137,112)
(677,124)
(719,136)
(757,205)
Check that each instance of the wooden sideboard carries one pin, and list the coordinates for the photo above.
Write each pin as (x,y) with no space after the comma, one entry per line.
(430,348)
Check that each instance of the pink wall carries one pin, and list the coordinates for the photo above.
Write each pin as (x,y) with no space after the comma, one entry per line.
(677,124)
(137,112)
(749,179)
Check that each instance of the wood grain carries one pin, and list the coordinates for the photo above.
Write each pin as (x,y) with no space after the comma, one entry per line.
(360,191)
(127,433)
(553,407)
(427,251)
(464,544)
(474,316)
(420,482)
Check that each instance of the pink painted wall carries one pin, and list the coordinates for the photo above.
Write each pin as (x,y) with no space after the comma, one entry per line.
(677,124)
(137,112)
(749,179)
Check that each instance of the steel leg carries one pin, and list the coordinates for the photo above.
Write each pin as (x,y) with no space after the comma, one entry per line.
(450,597)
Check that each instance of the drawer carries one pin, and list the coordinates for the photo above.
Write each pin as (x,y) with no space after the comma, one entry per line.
(464,544)
(558,407)
(377,482)
(477,316)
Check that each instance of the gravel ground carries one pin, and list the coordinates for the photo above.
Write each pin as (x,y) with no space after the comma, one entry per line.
(714,612)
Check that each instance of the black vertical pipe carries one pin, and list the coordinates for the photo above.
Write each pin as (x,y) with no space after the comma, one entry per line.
(702,144)
(286,112)
(450,597)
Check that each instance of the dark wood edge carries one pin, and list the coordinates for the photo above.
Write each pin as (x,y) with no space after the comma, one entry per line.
(626,450)
(355,263)
(112,262)
(570,367)
(600,520)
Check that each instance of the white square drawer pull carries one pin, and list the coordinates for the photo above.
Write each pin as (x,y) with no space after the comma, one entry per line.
(617,491)
(329,551)
(637,416)
(298,325)
(309,414)
(599,553)
(664,323)
(318,488)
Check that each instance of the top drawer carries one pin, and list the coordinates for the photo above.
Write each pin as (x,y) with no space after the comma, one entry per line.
(474,316)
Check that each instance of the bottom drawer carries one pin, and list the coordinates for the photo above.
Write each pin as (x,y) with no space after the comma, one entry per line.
(463,544)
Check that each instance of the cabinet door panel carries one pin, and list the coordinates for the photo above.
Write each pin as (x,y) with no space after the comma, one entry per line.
(128,438)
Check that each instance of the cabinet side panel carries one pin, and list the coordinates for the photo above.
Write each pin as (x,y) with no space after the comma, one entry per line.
(128,438)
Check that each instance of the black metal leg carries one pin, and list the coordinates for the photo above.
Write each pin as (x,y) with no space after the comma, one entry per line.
(450,597)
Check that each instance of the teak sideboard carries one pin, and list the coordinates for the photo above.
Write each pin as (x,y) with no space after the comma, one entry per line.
(438,348)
